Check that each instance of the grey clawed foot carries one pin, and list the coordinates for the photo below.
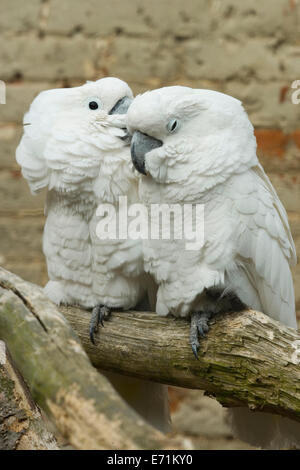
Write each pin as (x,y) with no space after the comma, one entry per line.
(199,327)
(99,314)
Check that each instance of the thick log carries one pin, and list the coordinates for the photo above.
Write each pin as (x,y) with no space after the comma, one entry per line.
(247,359)
(22,426)
(48,354)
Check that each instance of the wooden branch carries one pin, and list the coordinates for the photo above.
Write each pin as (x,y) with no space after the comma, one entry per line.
(84,406)
(247,359)
(22,427)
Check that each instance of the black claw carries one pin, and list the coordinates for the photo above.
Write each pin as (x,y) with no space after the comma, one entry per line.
(92,336)
(99,314)
(199,326)
(202,327)
(195,351)
(201,332)
(92,329)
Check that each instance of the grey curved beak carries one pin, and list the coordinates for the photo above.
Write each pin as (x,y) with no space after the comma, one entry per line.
(140,145)
(121,107)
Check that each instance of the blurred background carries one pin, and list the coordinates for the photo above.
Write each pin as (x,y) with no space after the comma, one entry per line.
(248,49)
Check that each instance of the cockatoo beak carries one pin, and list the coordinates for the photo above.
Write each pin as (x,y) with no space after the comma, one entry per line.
(140,145)
(121,107)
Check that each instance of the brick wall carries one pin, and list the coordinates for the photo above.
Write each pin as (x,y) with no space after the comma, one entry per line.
(249,49)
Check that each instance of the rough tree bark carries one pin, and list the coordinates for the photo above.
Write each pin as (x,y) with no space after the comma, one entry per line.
(22,427)
(247,359)
(81,402)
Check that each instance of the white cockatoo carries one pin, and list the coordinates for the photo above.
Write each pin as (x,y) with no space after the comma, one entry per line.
(75,144)
(198,147)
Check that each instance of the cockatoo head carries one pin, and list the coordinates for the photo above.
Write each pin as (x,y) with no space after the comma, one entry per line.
(69,131)
(178,132)
(91,107)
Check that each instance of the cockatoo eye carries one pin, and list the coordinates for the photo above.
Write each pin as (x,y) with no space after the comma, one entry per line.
(172,125)
(94,103)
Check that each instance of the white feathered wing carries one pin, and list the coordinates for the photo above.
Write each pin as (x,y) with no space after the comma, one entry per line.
(267,251)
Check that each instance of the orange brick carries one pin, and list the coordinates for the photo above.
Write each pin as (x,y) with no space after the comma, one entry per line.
(282,93)
(271,142)
(295,136)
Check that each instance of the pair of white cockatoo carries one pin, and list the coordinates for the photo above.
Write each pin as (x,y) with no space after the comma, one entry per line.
(191,147)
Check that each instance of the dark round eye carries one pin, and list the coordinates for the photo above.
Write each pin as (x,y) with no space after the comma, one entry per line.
(172,125)
(93,102)
(93,105)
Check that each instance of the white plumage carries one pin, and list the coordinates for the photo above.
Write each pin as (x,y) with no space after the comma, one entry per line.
(72,144)
(203,151)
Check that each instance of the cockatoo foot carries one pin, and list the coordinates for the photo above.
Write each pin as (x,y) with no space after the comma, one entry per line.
(99,314)
(199,327)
